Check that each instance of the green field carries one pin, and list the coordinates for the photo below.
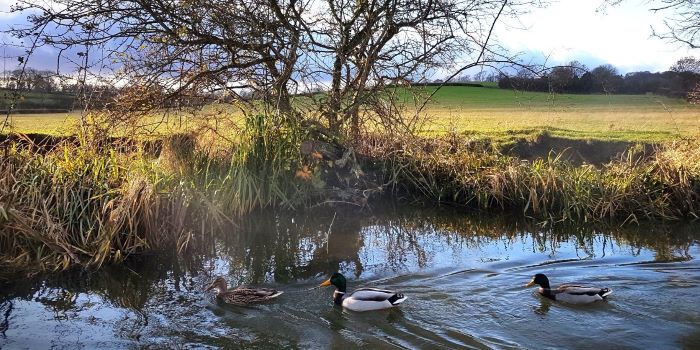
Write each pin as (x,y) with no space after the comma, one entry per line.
(35,100)
(498,113)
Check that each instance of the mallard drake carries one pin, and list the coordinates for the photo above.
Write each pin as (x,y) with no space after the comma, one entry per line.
(569,293)
(363,299)
(242,296)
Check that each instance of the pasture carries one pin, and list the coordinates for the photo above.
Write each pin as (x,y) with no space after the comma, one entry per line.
(498,114)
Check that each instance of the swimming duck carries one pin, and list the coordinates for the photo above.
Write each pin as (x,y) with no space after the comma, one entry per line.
(242,296)
(363,299)
(568,293)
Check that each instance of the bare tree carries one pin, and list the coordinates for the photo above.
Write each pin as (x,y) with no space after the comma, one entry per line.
(32,80)
(686,64)
(182,48)
(562,76)
(606,78)
(681,20)
(170,51)
(579,69)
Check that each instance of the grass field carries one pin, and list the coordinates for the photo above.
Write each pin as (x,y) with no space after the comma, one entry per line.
(499,113)
(46,123)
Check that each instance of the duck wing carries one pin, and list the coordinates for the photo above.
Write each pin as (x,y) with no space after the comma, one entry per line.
(377,295)
(577,294)
(258,292)
(249,295)
(582,290)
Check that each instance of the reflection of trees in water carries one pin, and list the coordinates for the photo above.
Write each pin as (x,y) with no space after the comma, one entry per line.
(668,242)
(283,248)
(5,312)
(402,242)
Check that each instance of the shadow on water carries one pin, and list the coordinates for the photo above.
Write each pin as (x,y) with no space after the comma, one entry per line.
(464,276)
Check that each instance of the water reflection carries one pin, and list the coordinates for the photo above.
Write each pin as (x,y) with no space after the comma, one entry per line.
(6,311)
(279,248)
(449,263)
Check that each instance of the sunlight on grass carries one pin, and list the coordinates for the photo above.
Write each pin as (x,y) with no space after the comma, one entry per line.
(482,112)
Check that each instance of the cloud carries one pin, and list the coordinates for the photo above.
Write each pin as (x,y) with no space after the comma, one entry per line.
(565,30)
(573,30)
(5,6)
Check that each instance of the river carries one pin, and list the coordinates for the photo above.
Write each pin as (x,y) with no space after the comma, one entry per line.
(464,277)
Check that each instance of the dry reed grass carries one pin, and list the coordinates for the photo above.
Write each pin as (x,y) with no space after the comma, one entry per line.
(664,184)
(85,203)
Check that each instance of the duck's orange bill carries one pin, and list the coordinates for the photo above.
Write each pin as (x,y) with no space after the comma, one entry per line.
(532,283)
(326,283)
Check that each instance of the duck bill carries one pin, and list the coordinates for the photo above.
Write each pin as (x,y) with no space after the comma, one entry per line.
(325,283)
(532,283)
(211,286)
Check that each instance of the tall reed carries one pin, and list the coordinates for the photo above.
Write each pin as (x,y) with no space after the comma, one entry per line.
(662,185)
(85,203)
(89,202)
(259,172)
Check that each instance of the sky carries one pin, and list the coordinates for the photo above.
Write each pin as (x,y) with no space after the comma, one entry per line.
(575,30)
(563,31)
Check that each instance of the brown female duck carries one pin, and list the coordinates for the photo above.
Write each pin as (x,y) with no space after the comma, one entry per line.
(240,295)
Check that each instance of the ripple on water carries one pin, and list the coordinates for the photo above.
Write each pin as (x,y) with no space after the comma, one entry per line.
(464,278)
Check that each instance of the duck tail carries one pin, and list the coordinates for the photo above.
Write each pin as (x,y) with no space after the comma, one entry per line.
(605,292)
(397,299)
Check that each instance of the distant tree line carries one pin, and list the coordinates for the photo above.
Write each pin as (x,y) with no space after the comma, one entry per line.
(31,90)
(682,78)
(46,81)
(30,79)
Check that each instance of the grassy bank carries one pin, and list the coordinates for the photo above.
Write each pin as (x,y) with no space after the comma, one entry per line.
(96,198)
(88,201)
(642,184)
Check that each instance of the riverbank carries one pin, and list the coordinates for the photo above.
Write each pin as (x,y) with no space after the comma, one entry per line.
(88,201)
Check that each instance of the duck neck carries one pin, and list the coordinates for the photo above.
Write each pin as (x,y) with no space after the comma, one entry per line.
(545,289)
(222,288)
(547,293)
(338,297)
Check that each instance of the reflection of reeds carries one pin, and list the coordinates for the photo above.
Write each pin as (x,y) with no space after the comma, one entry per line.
(668,241)
(275,248)
(6,311)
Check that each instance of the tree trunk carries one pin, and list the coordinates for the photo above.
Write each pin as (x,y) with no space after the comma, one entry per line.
(334,103)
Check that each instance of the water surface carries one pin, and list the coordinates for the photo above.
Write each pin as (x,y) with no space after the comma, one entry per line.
(463,276)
